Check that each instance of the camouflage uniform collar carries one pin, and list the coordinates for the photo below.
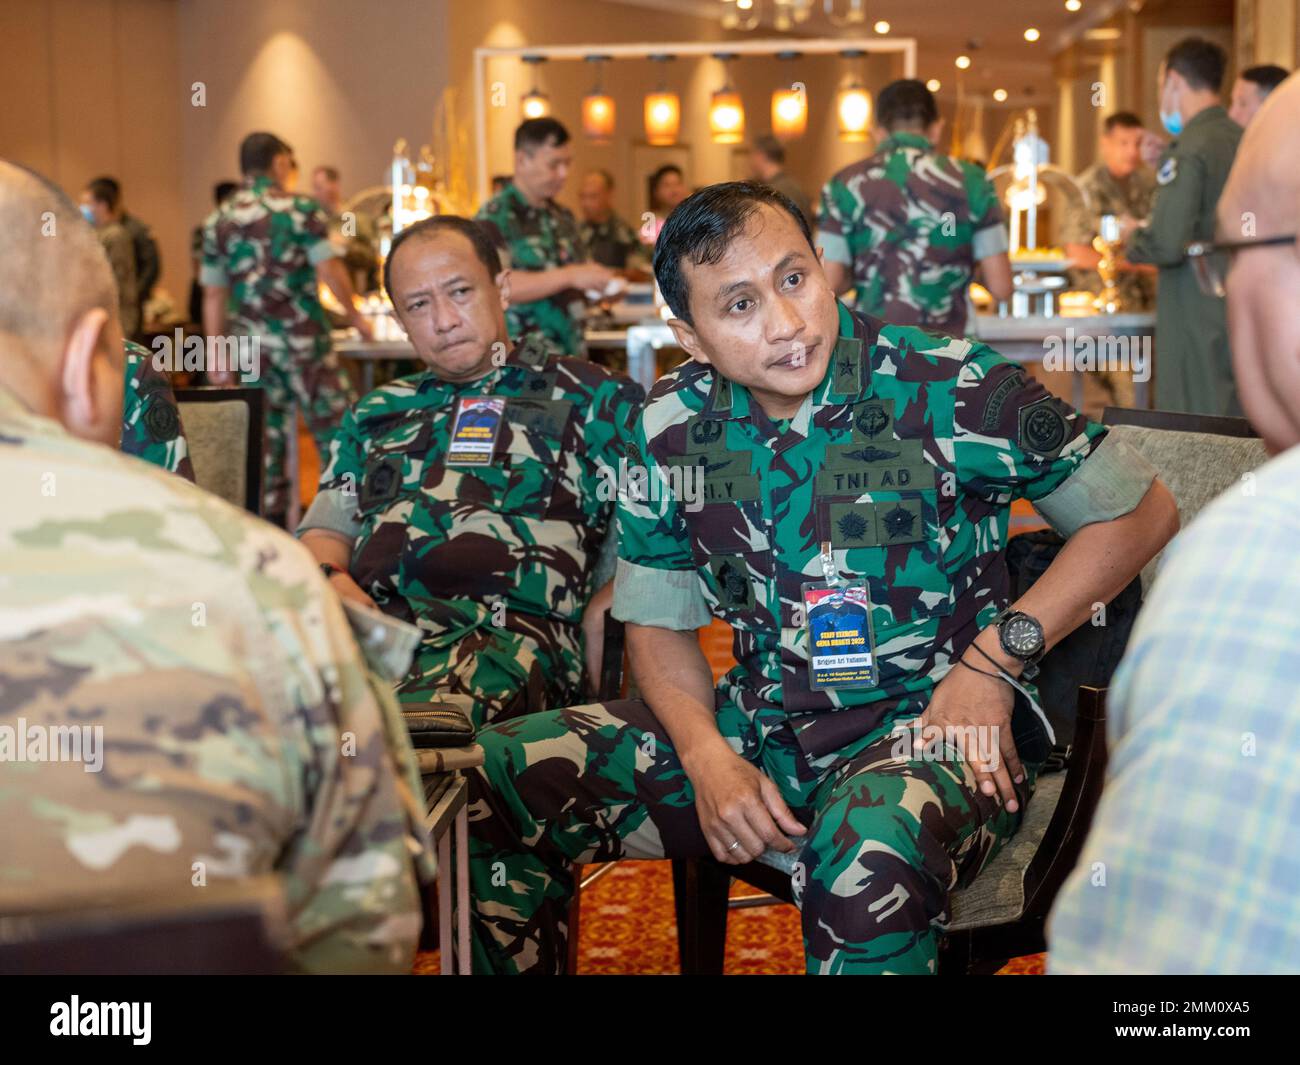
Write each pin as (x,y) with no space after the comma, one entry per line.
(261,183)
(906,139)
(528,354)
(519,202)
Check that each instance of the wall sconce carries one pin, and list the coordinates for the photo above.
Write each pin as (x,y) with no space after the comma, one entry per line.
(853,107)
(726,110)
(535,103)
(663,109)
(598,106)
(790,107)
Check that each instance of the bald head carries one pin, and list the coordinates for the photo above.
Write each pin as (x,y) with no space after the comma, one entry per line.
(58,307)
(1262,199)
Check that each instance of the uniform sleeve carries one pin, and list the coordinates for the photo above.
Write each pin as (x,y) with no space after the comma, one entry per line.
(1078,227)
(608,433)
(316,234)
(1174,215)
(212,266)
(833,218)
(494,224)
(986,215)
(335,507)
(151,421)
(656,582)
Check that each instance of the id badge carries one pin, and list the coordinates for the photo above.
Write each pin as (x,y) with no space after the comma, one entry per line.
(474,432)
(841,645)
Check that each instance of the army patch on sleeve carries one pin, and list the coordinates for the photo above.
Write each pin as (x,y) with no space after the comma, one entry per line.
(735,590)
(1044,429)
(992,416)
(1168,171)
(383,480)
(161,420)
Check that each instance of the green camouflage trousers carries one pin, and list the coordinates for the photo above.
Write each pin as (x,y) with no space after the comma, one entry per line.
(888,836)
(307,372)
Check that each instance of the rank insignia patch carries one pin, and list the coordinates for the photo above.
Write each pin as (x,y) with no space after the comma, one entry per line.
(1043,428)
(735,590)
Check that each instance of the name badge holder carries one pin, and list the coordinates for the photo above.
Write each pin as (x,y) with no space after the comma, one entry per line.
(474,433)
(841,642)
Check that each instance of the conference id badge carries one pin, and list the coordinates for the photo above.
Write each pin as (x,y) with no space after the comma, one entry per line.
(841,645)
(474,432)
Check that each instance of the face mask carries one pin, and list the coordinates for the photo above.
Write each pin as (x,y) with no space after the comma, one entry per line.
(87,214)
(1173,122)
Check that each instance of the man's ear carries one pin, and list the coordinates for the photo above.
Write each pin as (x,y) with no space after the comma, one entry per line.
(688,341)
(502,281)
(87,407)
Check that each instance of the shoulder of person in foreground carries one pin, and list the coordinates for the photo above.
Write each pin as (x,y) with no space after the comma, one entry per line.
(217,661)
(152,428)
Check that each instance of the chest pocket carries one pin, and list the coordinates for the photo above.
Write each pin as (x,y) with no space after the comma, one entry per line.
(889,533)
(394,466)
(525,465)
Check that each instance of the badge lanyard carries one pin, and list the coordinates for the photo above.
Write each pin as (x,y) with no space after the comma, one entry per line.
(841,643)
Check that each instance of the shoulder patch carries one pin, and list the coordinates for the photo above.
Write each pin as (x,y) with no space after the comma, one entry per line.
(1043,428)
(1168,171)
(992,415)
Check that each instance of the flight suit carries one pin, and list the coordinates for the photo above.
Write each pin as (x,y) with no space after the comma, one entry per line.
(910,223)
(1193,362)
(151,423)
(905,460)
(494,563)
(264,243)
(540,238)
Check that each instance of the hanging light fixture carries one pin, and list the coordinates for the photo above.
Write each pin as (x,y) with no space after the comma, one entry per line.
(726,110)
(853,106)
(663,109)
(790,107)
(598,106)
(535,103)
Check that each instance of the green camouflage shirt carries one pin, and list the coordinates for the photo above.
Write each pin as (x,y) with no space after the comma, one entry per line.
(265,243)
(1107,194)
(151,422)
(910,223)
(241,731)
(905,459)
(614,243)
(540,238)
(440,546)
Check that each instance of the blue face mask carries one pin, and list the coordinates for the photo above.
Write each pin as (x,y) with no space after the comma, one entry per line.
(87,214)
(1173,122)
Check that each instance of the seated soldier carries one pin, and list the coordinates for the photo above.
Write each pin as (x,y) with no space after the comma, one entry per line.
(181,701)
(470,499)
(838,450)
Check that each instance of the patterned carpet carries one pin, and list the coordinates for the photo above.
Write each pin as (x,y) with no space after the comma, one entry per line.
(628,928)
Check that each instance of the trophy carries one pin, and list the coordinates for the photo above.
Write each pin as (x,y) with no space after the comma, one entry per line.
(1108,245)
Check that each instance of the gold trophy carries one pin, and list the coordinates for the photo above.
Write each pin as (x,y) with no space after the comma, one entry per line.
(1108,245)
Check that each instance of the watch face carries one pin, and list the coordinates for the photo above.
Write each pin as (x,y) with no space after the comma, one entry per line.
(1022,636)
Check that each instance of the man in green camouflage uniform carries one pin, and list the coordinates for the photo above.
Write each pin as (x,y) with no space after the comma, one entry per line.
(544,250)
(906,226)
(183,704)
(264,250)
(609,240)
(822,441)
(151,423)
(494,562)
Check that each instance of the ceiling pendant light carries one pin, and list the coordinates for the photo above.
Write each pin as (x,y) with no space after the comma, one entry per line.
(790,107)
(535,103)
(853,107)
(598,106)
(726,110)
(663,109)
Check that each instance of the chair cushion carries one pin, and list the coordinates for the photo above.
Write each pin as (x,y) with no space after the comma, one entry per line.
(1196,467)
(217,434)
(998,894)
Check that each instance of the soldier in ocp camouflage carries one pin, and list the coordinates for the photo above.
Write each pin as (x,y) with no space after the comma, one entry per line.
(264,243)
(151,422)
(908,224)
(904,459)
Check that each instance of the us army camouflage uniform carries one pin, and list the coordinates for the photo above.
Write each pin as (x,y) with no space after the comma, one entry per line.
(540,238)
(1193,357)
(265,243)
(241,734)
(493,563)
(614,243)
(1108,194)
(905,459)
(910,223)
(151,423)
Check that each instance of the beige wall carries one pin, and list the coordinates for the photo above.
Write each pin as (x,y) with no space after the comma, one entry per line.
(92,87)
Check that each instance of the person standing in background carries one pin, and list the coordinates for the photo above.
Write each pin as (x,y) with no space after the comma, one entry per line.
(353,233)
(221,192)
(1193,365)
(99,202)
(264,252)
(548,263)
(907,226)
(148,260)
(767,164)
(1251,89)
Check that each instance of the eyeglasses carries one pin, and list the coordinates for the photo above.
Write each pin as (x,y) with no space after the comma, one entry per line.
(1211,261)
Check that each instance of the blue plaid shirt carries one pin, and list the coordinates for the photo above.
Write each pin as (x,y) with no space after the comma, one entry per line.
(1193,864)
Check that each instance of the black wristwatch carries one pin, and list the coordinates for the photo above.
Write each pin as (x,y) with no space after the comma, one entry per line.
(329,569)
(1021,636)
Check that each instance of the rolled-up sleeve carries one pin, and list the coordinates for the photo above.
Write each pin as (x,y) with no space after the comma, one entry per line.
(1109,484)
(335,507)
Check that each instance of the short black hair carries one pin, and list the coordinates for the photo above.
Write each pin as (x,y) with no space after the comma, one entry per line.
(1267,76)
(257,152)
(106,191)
(1125,119)
(906,102)
(476,233)
(1200,62)
(537,133)
(769,146)
(701,227)
(223,190)
(657,176)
